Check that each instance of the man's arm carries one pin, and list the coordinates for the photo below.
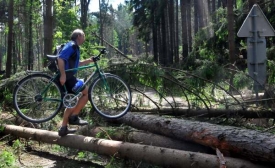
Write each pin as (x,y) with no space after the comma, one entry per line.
(84,62)
(61,66)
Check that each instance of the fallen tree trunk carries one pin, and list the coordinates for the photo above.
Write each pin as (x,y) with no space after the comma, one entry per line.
(221,113)
(146,138)
(250,144)
(155,155)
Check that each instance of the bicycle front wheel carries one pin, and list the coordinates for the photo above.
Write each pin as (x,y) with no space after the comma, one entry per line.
(37,98)
(110,96)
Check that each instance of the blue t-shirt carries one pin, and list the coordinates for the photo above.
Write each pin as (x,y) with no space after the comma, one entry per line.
(68,51)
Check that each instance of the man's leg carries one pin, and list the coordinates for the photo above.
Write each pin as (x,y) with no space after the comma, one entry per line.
(73,118)
(81,102)
(67,113)
(64,130)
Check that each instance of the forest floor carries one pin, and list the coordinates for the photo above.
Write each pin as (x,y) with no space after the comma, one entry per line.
(32,154)
(33,158)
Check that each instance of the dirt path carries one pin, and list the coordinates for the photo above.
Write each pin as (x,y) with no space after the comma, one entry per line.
(47,160)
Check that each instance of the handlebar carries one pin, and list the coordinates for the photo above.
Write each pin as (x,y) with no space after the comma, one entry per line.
(97,58)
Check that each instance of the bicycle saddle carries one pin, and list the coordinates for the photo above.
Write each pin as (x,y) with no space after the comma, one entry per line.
(52,57)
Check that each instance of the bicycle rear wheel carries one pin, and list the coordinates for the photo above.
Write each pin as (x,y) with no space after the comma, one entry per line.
(37,98)
(110,96)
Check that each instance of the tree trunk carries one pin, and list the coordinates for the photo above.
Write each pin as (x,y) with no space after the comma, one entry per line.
(196,17)
(184,24)
(84,13)
(176,34)
(101,23)
(155,39)
(171,32)
(10,39)
(48,30)
(30,47)
(144,138)
(231,31)
(154,155)
(189,24)
(250,144)
(221,113)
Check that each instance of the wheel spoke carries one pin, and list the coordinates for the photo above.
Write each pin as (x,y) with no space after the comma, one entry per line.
(111,97)
(31,104)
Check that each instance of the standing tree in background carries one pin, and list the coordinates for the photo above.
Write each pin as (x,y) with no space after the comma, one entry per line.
(231,31)
(189,25)
(30,40)
(101,23)
(123,16)
(177,59)
(10,39)
(184,25)
(48,28)
(84,7)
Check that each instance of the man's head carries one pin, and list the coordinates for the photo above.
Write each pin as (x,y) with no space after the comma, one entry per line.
(78,36)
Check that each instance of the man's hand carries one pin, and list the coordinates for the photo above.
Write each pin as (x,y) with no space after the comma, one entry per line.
(92,58)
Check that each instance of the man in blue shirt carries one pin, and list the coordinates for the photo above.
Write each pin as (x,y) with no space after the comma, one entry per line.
(69,58)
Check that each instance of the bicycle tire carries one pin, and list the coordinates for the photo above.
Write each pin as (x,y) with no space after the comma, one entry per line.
(31,105)
(113,102)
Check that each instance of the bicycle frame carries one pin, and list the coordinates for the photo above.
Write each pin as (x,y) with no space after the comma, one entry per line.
(97,73)
(108,93)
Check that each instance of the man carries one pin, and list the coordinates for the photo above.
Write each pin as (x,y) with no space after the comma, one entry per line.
(69,58)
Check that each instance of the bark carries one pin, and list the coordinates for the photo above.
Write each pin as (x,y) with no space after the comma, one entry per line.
(231,31)
(221,113)
(171,32)
(155,39)
(10,39)
(155,155)
(145,138)
(196,17)
(176,34)
(48,30)
(84,12)
(184,29)
(30,38)
(189,23)
(101,23)
(250,144)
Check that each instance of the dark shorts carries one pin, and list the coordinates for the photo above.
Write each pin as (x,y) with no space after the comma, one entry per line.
(70,83)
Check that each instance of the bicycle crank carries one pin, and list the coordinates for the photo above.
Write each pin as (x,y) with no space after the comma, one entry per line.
(70,100)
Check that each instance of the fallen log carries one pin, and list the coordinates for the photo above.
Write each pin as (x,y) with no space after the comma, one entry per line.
(249,144)
(221,113)
(146,138)
(151,154)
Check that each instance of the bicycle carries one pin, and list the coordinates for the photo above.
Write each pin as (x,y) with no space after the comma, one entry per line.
(39,97)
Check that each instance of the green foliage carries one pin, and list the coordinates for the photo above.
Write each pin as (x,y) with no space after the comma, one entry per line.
(7,159)
(112,164)
(1,127)
(210,71)
(271,71)
(7,96)
(148,75)
(241,80)
(66,18)
(81,155)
